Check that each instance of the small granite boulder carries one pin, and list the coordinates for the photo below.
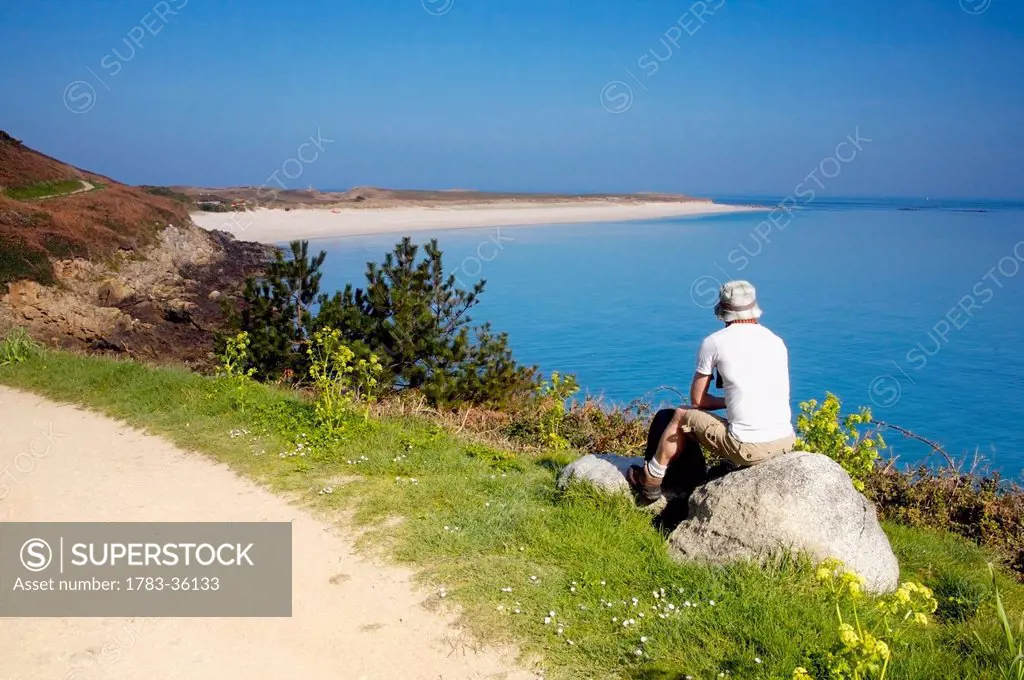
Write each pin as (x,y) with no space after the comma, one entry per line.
(606,471)
(803,502)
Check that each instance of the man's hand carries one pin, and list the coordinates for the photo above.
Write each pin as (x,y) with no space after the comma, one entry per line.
(699,397)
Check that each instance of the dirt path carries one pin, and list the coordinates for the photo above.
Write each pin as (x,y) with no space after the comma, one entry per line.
(86,186)
(352,618)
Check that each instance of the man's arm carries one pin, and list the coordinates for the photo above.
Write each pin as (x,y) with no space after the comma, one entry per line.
(699,397)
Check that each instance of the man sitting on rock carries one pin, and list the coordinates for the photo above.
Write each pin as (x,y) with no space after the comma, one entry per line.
(753,369)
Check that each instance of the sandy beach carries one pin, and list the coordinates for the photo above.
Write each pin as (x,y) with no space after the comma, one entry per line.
(274,226)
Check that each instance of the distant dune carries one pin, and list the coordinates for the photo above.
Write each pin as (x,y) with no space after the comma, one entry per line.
(275,226)
(261,214)
(374,197)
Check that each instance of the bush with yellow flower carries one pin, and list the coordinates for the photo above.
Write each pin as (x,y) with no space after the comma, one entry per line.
(859,652)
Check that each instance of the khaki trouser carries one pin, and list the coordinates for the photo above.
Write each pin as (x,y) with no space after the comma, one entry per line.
(713,434)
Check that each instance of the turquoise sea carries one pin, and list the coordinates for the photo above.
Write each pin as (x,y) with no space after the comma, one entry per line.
(914,307)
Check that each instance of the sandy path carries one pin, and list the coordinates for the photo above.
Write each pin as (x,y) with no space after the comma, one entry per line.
(352,618)
(275,226)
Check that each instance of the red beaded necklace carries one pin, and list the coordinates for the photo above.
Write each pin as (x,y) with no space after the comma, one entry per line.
(741,321)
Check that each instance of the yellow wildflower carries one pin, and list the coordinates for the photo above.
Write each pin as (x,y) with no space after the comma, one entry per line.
(853,583)
(848,636)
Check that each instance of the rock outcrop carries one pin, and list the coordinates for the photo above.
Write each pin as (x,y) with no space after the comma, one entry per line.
(157,304)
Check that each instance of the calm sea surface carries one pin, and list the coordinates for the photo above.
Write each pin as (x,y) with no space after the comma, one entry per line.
(915,308)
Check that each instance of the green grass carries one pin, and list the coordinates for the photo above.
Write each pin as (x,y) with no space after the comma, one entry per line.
(476,522)
(44,189)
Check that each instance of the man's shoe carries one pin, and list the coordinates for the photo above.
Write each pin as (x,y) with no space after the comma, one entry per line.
(646,486)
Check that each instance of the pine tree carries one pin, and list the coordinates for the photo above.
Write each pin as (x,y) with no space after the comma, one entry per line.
(276,310)
(417,320)
(410,314)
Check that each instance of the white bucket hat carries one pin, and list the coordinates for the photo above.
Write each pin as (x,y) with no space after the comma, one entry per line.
(737,301)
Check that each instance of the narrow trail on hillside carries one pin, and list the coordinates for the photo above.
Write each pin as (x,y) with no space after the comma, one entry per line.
(353,618)
(85,186)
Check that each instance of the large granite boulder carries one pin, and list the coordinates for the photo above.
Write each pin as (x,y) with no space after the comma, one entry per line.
(801,502)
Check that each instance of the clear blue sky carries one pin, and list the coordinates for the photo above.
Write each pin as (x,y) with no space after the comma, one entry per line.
(506,94)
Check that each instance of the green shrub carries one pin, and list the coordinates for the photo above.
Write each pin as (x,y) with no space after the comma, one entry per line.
(553,394)
(822,430)
(549,419)
(985,510)
(339,379)
(235,357)
(167,192)
(593,427)
(208,206)
(235,367)
(18,347)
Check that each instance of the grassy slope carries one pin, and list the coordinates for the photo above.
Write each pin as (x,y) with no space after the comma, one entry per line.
(478,524)
(44,189)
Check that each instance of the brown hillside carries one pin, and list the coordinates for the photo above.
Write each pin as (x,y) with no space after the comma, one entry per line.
(114,268)
(21,166)
(92,224)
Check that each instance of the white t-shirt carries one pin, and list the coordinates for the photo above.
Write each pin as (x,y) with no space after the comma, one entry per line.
(754,365)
